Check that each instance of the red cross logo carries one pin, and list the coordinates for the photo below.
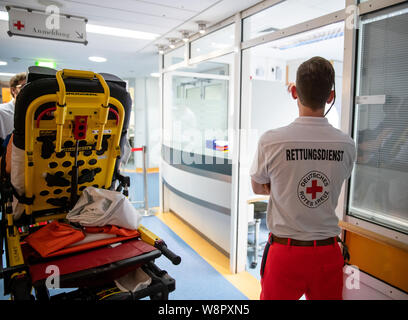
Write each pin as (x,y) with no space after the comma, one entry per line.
(19,25)
(314,189)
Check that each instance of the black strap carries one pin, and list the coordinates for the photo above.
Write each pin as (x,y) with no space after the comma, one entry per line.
(88,176)
(48,147)
(346,253)
(265,253)
(22,198)
(58,202)
(56,181)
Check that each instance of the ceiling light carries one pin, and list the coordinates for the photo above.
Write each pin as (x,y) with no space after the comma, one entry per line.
(201,26)
(185,34)
(4,15)
(3,63)
(7,74)
(160,48)
(97,59)
(119,32)
(155,75)
(172,42)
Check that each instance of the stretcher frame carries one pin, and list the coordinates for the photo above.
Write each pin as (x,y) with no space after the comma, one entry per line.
(70,106)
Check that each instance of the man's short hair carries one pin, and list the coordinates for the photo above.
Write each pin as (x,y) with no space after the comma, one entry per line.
(15,80)
(314,82)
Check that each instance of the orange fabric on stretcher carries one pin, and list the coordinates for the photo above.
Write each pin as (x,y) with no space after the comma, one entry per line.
(112,230)
(54,239)
(92,245)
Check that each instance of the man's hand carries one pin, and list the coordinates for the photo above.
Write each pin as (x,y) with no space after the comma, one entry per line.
(264,189)
(267,188)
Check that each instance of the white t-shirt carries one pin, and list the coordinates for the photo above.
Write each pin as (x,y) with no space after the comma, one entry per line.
(6,119)
(306,164)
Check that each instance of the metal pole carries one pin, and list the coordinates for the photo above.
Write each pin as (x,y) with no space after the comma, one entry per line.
(146,211)
(146,198)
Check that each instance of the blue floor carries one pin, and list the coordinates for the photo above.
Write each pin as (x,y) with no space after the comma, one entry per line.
(195,278)
(136,191)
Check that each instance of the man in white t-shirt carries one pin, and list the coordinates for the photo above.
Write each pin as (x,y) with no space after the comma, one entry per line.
(7,109)
(302,167)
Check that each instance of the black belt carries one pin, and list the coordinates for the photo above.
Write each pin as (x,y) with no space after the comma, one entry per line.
(303,243)
(293,242)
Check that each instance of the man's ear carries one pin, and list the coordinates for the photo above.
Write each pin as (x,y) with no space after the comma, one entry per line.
(331,97)
(293,92)
(13,93)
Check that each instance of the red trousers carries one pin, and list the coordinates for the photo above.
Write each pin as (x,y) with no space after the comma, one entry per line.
(288,272)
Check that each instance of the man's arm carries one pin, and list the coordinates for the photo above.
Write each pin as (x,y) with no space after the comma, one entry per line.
(264,189)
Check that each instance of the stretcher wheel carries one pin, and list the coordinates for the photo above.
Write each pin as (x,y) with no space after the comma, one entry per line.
(42,293)
(21,289)
(160,296)
(253,265)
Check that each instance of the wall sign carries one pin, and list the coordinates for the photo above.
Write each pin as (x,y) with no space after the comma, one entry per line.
(49,24)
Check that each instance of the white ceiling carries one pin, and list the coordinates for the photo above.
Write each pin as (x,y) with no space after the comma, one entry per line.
(126,57)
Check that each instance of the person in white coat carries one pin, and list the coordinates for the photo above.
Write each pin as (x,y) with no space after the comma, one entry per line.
(7,109)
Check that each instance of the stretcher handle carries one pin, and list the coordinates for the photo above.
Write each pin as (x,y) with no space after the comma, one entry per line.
(61,103)
(161,245)
(150,238)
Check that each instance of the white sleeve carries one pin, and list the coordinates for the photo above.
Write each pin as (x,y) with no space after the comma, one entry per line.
(350,165)
(259,170)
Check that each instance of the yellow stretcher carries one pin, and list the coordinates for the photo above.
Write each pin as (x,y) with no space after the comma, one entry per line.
(69,127)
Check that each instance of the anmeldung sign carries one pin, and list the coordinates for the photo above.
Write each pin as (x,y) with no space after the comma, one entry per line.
(46,25)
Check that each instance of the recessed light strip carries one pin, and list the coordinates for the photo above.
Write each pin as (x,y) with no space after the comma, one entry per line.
(7,74)
(97,59)
(119,32)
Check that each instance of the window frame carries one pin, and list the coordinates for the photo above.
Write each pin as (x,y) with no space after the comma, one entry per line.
(372,8)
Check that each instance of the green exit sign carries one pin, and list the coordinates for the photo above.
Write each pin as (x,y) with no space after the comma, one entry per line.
(48,64)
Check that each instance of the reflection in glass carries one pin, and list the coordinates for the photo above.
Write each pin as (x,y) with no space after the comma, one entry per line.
(217,40)
(286,14)
(379,190)
(174,57)
(196,108)
(269,68)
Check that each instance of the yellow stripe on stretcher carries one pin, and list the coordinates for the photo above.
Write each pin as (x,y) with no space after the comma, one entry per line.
(147,236)
(15,254)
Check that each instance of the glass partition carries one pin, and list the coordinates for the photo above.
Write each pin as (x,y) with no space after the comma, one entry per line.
(380,179)
(217,40)
(287,13)
(174,57)
(196,104)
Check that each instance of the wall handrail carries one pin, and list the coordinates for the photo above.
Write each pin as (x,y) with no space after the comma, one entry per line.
(373,235)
